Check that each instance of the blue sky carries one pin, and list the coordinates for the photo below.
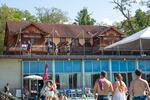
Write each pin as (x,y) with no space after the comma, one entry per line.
(102,10)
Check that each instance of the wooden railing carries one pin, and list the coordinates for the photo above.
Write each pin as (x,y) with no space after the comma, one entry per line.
(79,51)
(4,96)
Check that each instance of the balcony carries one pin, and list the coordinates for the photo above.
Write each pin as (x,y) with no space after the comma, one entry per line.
(74,52)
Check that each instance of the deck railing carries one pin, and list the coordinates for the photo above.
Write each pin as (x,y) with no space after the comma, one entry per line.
(76,51)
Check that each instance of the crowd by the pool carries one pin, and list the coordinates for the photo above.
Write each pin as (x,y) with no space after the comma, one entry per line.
(139,89)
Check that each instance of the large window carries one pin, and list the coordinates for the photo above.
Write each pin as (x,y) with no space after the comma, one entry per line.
(96,65)
(123,65)
(67,66)
(144,65)
(68,81)
(36,67)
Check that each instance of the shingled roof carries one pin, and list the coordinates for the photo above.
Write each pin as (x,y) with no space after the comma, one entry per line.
(58,30)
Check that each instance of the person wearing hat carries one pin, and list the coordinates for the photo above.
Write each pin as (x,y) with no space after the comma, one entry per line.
(49,90)
(102,87)
(139,87)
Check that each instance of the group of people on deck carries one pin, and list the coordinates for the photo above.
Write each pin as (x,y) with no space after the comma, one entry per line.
(139,88)
(27,46)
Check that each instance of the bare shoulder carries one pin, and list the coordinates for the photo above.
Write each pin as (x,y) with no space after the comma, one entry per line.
(144,81)
(123,83)
(107,81)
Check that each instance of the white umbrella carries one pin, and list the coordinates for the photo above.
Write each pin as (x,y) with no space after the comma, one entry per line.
(33,77)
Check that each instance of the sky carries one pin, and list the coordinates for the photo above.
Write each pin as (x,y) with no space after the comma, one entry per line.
(102,10)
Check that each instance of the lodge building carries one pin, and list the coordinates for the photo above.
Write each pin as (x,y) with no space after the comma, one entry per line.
(79,59)
(84,38)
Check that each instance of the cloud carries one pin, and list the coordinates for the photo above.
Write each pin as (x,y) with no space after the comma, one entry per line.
(107,21)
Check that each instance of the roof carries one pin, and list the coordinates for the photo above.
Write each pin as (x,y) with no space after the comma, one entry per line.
(59,30)
(141,35)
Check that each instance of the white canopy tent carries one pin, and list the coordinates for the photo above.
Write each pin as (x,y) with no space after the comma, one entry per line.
(137,41)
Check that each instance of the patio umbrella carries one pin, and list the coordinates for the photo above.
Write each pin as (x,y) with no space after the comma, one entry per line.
(45,75)
(33,77)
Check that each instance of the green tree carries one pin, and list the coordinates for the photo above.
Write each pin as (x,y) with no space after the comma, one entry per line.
(142,19)
(53,15)
(124,7)
(11,14)
(139,21)
(84,18)
(132,24)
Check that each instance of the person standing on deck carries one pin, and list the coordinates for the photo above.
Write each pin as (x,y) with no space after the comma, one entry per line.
(29,46)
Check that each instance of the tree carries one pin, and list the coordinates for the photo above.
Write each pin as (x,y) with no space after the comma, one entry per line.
(11,14)
(132,24)
(139,21)
(124,7)
(53,15)
(84,18)
(142,19)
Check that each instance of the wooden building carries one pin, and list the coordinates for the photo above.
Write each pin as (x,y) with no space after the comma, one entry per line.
(77,39)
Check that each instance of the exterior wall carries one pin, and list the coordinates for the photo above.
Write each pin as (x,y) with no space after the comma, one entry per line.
(69,40)
(79,69)
(10,72)
(91,41)
(56,40)
(81,41)
(110,37)
(32,29)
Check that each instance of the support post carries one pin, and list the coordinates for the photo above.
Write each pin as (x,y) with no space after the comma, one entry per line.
(110,70)
(53,70)
(141,48)
(83,73)
(137,64)
(22,73)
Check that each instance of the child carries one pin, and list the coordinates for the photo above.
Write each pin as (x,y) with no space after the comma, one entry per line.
(49,90)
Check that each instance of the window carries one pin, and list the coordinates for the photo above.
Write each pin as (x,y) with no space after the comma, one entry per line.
(62,39)
(75,42)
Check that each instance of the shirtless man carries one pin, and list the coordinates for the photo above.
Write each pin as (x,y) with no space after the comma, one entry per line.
(102,87)
(139,87)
